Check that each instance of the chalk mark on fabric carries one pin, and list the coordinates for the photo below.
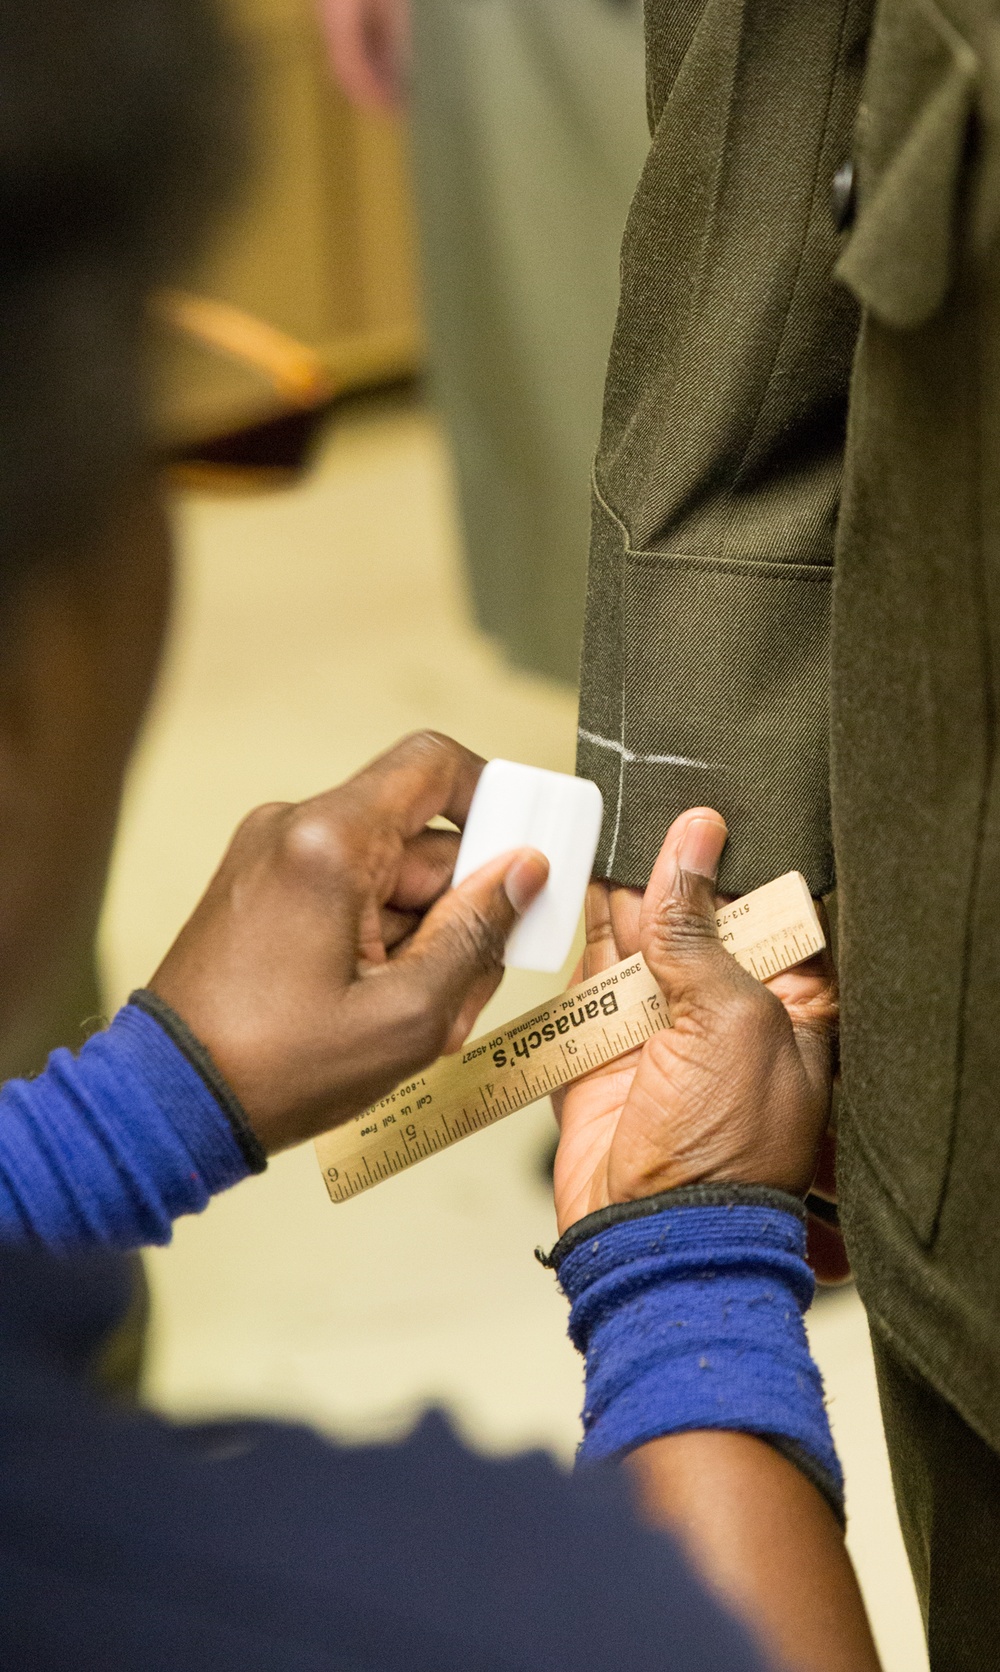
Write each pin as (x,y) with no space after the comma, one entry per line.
(631,755)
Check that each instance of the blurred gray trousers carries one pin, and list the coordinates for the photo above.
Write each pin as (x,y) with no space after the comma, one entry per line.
(529,131)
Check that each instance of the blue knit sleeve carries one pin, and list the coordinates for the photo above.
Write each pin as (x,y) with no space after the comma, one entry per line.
(688,1310)
(108,1147)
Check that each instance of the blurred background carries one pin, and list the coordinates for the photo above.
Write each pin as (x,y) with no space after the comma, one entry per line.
(379,392)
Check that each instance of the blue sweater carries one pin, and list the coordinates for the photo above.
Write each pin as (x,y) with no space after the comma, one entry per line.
(128,1543)
(110,1146)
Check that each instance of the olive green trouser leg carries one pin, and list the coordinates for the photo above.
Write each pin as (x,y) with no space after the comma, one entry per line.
(947,1483)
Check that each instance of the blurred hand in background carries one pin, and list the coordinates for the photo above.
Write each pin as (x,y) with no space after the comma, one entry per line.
(369,42)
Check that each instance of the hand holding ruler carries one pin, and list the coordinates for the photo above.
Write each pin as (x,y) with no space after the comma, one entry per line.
(767,931)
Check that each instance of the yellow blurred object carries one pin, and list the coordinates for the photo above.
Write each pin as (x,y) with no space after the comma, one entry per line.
(308,289)
(297,372)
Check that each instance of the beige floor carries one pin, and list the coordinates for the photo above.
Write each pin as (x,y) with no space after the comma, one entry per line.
(314,627)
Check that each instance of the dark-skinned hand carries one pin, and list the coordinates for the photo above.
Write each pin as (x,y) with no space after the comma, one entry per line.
(736,1090)
(329,959)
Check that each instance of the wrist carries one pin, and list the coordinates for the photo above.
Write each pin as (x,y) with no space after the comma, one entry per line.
(200,1059)
(706,1195)
(688,1309)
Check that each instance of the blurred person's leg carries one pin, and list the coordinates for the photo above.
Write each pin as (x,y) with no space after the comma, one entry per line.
(947,1483)
(60,1003)
(529,122)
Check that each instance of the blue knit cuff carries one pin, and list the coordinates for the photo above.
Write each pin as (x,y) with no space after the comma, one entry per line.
(108,1147)
(692,1318)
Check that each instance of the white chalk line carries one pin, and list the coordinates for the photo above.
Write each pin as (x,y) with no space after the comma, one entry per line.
(642,760)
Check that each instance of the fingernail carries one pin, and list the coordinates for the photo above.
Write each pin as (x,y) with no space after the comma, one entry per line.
(525,880)
(701,847)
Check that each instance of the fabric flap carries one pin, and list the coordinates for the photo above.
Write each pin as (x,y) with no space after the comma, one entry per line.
(912,140)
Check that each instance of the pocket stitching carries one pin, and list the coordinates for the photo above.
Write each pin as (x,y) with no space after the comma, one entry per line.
(643,558)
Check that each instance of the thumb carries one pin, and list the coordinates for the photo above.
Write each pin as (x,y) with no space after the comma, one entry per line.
(455,960)
(677,930)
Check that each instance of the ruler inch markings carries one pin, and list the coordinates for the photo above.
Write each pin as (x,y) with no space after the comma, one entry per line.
(573,1033)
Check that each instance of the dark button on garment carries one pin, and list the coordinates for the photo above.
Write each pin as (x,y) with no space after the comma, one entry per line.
(842,200)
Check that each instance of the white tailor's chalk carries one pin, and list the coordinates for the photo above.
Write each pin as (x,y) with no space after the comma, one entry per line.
(526,807)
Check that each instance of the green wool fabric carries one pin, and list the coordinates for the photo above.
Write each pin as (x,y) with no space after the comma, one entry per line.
(947,1486)
(916,653)
(716,667)
(705,664)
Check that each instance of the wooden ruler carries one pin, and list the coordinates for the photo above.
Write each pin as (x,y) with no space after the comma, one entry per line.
(767,931)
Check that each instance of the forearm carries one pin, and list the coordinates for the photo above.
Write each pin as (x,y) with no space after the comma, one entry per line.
(108,1147)
(766,1541)
(688,1308)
